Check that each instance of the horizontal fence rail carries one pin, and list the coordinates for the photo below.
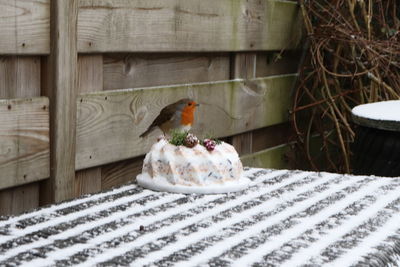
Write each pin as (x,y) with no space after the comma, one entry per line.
(190,25)
(25,27)
(175,26)
(109,123)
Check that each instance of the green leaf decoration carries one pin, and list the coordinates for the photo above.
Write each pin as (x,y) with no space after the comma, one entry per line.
(178,137)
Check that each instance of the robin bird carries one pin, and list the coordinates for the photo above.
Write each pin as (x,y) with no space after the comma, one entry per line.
(179,115)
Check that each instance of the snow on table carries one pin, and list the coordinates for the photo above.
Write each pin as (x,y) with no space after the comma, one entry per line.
(284,218)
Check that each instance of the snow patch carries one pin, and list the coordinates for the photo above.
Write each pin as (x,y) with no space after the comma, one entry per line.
(160,183)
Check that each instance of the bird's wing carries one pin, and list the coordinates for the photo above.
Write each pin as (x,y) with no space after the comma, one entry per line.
(165,115)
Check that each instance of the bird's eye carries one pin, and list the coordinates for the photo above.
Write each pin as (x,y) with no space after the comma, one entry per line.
(190,104)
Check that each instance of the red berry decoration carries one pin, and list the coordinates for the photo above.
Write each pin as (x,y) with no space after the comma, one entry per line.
(209,144)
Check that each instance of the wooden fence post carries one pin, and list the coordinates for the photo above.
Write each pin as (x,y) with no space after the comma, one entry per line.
(62,90)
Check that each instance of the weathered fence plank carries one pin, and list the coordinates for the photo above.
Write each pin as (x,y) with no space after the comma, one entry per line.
(190,25)
(140,70)
(227,108)
(25,26)
(24,146)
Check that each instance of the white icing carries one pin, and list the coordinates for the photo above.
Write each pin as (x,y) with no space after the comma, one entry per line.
(192,170)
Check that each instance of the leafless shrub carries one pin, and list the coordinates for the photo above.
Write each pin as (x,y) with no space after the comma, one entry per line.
(353,57)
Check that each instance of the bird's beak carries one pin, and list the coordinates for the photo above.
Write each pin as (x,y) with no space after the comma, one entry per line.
(197,105)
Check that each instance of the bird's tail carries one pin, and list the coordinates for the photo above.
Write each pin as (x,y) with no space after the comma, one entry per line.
(145,133)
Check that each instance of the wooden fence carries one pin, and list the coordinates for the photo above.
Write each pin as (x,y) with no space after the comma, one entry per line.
(81,79)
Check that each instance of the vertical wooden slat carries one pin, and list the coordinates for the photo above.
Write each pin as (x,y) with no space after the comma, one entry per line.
(272,136)
(90,79)
(19,199)
(20,77)
(88,181)
(121,172)
(244,66)
(277,62)
(62,91)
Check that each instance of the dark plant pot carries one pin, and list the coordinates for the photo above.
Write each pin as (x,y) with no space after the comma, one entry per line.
(376,152)
(376,149)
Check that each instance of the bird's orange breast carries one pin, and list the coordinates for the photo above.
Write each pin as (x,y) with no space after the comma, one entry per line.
(188,115)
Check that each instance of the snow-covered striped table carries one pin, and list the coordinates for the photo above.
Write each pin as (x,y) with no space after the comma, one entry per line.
(285,217)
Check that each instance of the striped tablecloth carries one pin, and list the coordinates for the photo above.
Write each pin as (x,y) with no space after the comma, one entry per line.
(285,218)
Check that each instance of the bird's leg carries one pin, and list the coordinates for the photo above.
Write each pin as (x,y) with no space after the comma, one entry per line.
(161,137)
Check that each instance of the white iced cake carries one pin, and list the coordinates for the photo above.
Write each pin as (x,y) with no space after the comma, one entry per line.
(183,169)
